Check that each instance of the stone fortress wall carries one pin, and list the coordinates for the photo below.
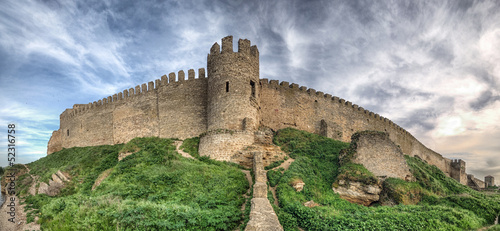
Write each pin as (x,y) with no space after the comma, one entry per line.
(290,105)
(225,109)
(168,107)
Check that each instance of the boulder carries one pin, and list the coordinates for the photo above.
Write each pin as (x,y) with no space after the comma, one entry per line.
(298,185)
(55,184)
(311,204)
(356,192)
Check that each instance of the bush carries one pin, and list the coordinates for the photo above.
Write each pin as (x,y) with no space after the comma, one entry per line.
(494,228)
(273,177)
(274,164)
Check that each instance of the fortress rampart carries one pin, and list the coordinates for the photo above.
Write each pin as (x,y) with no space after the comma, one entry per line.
(225,108)
(168,107)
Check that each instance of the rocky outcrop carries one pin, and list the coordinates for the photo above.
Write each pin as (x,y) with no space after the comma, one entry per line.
(311,204)
(356,192)
(298,185)
(263,143)
(55,184)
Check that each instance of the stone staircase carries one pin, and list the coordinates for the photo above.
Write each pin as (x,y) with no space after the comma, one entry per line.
(262,215)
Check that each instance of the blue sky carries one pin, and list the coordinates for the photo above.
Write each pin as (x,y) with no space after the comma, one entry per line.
(432,67)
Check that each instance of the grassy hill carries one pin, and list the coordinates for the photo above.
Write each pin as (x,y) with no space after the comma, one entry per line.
(441,202)
(153,189)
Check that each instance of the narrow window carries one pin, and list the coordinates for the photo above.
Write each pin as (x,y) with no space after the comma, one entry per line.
(67,132)
(227,86)
(252,83)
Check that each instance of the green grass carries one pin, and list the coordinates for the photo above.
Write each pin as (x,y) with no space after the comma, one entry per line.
(78,162)
(157,189)
(443,206)
(494,228)
(153,189)
(274,164)
(351,172)
(190,146)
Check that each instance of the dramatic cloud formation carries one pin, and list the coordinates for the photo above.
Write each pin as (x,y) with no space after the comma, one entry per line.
(432,67)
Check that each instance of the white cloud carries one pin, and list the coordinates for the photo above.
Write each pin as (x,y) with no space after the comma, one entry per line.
(431,65)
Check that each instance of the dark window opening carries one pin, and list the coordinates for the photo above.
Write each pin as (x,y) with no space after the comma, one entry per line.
(252,83)
(227,86)
(67,132)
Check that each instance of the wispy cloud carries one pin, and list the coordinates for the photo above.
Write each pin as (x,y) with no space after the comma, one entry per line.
(431,66)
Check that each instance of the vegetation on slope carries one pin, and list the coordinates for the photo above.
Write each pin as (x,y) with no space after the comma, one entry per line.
(446,205)
(153,189)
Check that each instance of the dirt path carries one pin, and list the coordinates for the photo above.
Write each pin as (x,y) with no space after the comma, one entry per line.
(250,183)
(101,178)
(32,189)
(19,223)
(183,153)
(273,191)
(284,165)
(487,227)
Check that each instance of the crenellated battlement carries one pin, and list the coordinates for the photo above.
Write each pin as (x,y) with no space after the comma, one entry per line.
(284,85)
(457,163)
(244,48)
(140,90)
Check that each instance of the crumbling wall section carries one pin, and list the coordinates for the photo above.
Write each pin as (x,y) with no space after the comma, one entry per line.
(55,143)
(377,153)
(475,183)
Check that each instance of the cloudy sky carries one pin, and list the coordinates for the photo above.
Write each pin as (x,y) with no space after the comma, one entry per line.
(432,67)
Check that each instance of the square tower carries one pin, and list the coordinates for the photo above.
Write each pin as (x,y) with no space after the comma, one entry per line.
(489,181)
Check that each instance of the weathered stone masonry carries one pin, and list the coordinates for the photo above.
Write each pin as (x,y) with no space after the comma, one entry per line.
(225,108)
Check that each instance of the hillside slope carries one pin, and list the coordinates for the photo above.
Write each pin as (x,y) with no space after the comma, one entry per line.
(152,189)
(439,202)
(155,188)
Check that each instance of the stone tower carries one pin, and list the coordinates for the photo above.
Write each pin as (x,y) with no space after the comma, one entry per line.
(489,181)
(233,98)
(458,171)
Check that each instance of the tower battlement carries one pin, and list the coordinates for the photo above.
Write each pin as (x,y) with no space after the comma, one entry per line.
(244,48)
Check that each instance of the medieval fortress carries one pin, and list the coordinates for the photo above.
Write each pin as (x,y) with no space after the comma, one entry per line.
(226,106)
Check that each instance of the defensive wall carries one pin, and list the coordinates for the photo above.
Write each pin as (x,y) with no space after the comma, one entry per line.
(168,107)
(475,183)
(225,108)
(290,105)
